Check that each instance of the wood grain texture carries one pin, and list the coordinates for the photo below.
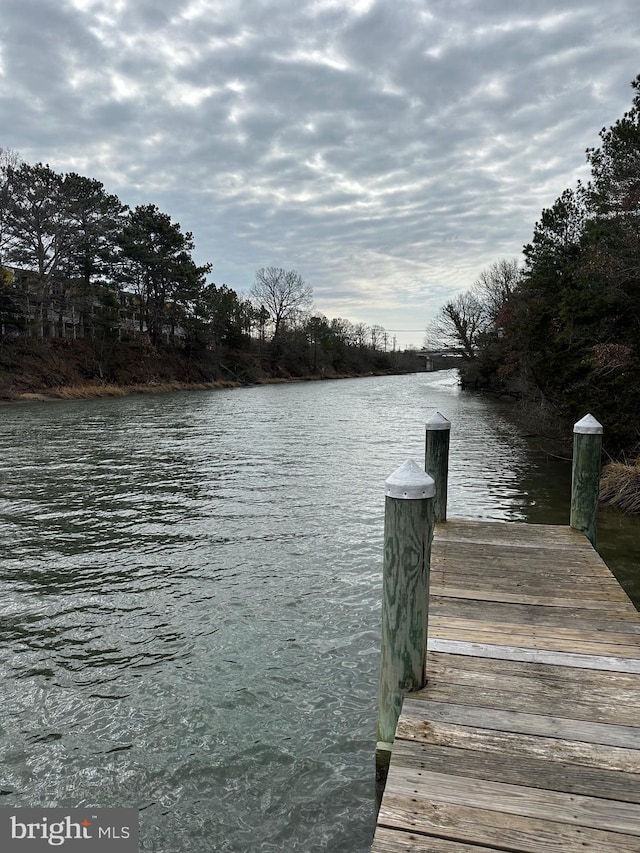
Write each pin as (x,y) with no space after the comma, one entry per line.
(583,661)
(436,463)
(398,841)
(576,752)
(618,604)
(408,532)
(496,830)
(418,705)
(524,801)
(523,613)
(513,672)
(585,482)
(526,736)
(514,766)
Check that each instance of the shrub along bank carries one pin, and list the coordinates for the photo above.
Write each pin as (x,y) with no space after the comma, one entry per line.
(67,369)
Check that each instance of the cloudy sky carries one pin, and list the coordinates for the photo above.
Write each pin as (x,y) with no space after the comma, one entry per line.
(388,150)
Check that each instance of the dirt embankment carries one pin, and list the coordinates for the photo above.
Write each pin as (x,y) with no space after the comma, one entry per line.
(67,369)
(76,369)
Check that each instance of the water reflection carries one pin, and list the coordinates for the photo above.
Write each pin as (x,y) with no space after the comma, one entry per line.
(545,488)
(189,598)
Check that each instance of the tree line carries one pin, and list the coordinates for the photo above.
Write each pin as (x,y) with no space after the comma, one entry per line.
(77,262)
(564,328)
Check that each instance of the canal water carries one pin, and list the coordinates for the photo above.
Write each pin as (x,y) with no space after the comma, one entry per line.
(190,598)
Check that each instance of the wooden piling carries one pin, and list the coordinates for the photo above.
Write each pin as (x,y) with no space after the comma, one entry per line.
(408,532)
(585,476)
(436,461)
(527,735)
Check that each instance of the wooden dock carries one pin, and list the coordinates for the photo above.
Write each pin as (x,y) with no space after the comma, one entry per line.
(527,735)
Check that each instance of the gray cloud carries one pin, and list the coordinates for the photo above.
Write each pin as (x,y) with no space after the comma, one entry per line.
(387,150)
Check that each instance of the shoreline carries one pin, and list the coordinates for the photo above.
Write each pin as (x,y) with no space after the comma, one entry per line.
(65,393)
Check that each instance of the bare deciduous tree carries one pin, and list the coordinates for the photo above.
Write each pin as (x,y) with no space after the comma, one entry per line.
(462,320)
(495,285)
(458,324)
(377,337)
(283,293)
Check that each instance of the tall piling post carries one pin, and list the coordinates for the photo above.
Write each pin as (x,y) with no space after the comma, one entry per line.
(408,532)
(436,460)
(585,476)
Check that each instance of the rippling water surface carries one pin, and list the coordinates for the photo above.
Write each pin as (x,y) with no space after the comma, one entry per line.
(189,600)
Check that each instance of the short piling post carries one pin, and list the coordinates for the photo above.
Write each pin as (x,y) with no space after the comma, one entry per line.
(408,531)
(436,460)
(585,476)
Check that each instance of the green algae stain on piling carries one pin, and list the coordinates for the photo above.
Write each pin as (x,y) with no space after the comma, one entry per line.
(408,532)
(585,476)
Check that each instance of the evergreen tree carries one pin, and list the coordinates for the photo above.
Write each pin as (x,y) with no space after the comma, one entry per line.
(98,218)
(570,330)
(38,231)
(156,258)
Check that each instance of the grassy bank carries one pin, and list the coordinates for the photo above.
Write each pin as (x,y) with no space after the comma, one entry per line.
(620,486)
(92,391)
(76,370)
(96,391)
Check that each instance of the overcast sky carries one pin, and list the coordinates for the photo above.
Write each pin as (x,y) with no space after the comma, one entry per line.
(388,151)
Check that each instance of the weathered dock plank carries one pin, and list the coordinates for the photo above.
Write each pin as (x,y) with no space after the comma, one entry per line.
(493,829)
(619,607)
(527,734)
(516,767)
(544,724)
(595,619)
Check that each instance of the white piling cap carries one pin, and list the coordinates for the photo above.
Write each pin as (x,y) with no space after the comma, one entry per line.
(438,421)
(588,426)
(410,482)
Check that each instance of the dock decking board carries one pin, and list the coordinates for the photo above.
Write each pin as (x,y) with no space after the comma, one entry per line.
(527,734)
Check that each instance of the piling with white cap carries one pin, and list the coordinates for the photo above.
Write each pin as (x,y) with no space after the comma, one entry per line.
(408,532)
(585,476)
(436,460)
